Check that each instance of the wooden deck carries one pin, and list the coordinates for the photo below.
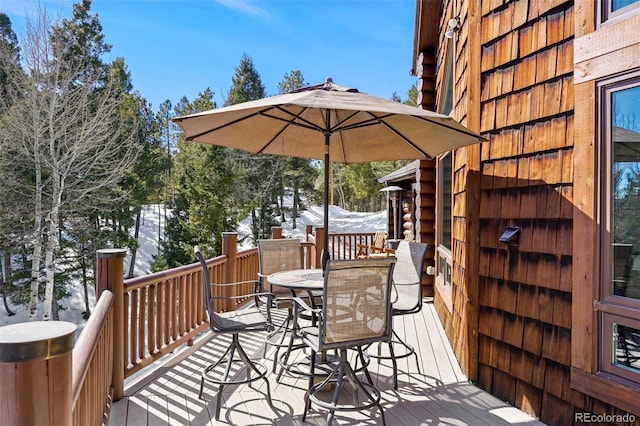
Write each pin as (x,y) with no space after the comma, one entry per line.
(441,394)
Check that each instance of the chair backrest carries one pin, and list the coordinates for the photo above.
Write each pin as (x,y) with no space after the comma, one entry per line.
(277,255)
(379,239)
(206,283)
(407,277)
(234,320)
(356,307)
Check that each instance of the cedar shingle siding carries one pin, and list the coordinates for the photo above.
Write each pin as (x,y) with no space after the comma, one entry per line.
(510,324)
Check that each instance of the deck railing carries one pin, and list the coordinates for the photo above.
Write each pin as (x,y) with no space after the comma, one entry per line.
(93,365)
(139,320)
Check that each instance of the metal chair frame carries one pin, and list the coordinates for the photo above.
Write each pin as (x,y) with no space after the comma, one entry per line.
(406,274)
(276,255)
(244,320)
(366,285)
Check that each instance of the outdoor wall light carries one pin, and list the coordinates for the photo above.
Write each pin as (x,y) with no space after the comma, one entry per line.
(454,26)
(511,235)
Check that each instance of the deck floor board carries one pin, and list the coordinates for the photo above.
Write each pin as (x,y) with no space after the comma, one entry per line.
(440,394)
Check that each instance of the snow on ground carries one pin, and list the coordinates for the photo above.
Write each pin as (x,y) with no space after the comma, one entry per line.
(151,228)
(340,221)
(152,221)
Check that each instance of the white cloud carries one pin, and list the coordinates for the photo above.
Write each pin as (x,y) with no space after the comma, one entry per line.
(244,6)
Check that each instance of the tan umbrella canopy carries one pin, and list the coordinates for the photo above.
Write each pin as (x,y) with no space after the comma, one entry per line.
(329,122)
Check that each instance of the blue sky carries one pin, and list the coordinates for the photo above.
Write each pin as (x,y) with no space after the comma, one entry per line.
(174,48)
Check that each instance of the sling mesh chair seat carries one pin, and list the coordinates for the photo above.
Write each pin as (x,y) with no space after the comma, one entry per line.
(277,255)
(363,288)
(243,320)
(406,299)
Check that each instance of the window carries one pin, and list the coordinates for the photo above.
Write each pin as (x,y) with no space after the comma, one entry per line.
(444,199)
(444,194)
(611,9)
(619,289)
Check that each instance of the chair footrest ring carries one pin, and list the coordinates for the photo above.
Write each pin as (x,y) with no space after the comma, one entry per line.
(325,364)
(279,338)
(367,402)
(405,351)
(209,374)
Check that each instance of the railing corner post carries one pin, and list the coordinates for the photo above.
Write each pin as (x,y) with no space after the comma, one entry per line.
(319,244)
(230,250)
(276,232)
(110,276)
(36,370)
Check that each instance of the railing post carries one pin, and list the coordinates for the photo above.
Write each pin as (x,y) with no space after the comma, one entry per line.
(276,232)
(319,245)
(230,250)
(308,231)
(36,373)
(110,275)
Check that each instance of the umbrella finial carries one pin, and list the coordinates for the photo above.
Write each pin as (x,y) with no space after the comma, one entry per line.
(328,81)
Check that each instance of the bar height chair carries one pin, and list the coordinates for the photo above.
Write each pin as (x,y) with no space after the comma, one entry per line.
(277,255)
(406,299)
(361,287)
(236,322)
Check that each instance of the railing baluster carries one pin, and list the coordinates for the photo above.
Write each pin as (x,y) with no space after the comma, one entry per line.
(151,322)
(134,344)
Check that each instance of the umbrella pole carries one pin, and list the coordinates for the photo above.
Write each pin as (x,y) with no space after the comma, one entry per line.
(325,243)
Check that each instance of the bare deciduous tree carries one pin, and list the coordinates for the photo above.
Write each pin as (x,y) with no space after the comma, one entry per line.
(65,127)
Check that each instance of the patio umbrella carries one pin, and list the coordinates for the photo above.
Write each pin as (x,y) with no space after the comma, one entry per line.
(332,123)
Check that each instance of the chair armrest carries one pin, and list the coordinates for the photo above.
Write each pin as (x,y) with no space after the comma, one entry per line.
(300,303)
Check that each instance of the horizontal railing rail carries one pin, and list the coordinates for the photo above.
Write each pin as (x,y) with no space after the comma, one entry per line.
(92,368)
(162,311)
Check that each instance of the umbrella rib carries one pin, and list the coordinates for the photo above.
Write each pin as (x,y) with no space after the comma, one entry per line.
(230,123)
(305,123)
(291,122)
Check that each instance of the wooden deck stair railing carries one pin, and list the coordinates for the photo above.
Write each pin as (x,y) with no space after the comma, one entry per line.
(137,321)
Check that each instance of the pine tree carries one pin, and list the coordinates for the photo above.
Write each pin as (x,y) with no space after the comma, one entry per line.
(204,184)
(9,219)
(299,174)
(260,179)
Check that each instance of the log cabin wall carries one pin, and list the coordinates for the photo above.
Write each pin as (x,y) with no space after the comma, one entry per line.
(510,314)
(425,180)
(458,317)
(425,200)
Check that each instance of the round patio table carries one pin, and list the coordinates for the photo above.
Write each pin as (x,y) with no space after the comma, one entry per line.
(311,281)
(298,279)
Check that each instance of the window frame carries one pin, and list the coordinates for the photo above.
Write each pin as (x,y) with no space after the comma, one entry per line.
(444,260)
(443,255)
(590,66)
(607,15)
(610,308)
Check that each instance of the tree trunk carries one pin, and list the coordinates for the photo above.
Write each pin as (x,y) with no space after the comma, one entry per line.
(6,282)
(134,251)
(159,227)
(37,244)
(85,284)
(52,244)
(294,208)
